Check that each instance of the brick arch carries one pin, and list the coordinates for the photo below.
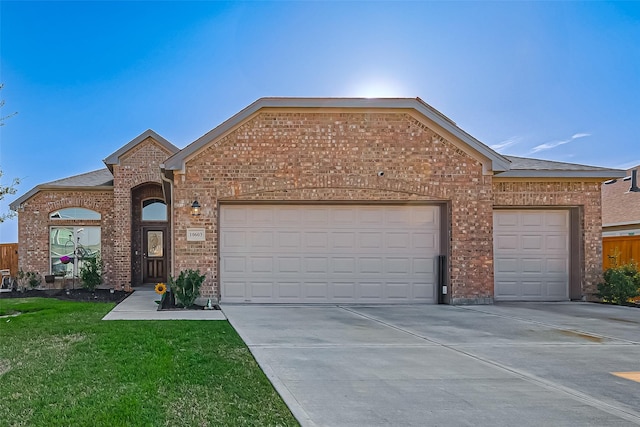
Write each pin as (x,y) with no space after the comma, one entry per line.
(266,186)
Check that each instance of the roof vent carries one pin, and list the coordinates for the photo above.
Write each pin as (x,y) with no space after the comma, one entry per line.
(634,182)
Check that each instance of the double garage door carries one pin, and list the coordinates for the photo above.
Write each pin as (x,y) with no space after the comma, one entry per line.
(531,255)
(329,253)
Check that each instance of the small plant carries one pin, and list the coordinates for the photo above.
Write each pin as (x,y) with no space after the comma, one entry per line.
(91,272)
(621,284)
(28,279)
(186,287)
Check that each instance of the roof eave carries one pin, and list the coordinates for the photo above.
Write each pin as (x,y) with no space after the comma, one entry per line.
(114,158)
(599,174)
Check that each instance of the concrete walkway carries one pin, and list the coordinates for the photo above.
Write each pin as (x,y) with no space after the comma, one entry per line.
(141,305)
(502,365)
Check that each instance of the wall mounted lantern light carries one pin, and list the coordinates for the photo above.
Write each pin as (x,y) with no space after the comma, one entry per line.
(195,208)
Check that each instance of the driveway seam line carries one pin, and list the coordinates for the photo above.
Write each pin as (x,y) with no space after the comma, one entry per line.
(549,325)
(623,413)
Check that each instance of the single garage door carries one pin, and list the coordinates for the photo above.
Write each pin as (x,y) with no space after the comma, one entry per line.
(531,255)
(328,253)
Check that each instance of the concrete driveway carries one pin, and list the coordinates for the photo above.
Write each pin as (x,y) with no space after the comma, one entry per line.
(501,365)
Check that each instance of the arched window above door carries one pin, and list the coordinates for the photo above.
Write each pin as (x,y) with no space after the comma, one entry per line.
(154,210)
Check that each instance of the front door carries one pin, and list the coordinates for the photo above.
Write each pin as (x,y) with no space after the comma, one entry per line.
(154,256)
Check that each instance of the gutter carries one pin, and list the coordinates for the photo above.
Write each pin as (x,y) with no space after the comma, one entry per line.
(167,187)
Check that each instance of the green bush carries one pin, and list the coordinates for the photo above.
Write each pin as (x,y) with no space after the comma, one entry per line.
(186,287)
(620,283)
(30,279)
(91,272)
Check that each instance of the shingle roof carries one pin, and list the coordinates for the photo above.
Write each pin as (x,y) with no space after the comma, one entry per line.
(523,167)
(98,178)
(619,206)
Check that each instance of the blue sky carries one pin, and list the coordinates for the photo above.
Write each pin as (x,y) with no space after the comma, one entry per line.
(550,80)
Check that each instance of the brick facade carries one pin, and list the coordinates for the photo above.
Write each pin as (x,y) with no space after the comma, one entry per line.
(552,194)
(138,166)
(329,155)
(34,225)
(290,156)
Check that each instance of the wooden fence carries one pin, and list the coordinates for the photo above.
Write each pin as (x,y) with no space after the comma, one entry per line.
(9,257)
(620,250)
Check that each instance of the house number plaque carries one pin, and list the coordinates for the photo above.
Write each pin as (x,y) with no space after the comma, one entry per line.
(195,234)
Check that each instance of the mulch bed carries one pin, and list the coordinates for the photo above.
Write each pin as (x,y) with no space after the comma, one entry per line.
(85,295)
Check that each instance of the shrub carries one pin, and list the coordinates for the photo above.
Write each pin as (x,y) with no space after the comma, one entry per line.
(620,283)
(91,272)
(28,279)
(186,287)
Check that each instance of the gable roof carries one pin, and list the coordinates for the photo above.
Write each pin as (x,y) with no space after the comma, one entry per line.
(100,179)
(523,167)
(114,158)
(619,205)
(498,162)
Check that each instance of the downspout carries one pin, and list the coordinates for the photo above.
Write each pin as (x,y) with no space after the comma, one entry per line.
(171,243)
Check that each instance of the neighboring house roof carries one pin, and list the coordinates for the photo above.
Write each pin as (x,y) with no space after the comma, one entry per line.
(523,167)
(498,162)
(98,179)
(114,158)
(619,205)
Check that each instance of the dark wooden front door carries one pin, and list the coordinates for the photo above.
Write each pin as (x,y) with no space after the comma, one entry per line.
(154,256)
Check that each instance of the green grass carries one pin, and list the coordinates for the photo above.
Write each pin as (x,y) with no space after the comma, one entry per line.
(60,365)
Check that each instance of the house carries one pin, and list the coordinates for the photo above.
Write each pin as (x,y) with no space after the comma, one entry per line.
(621,219)
(329,201)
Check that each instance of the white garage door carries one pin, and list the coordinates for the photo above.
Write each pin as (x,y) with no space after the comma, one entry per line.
(328,253)
(531,255)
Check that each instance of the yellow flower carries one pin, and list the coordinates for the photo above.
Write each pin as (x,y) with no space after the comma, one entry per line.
(161,288)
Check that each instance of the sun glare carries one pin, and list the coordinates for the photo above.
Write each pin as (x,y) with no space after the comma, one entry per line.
(378,89)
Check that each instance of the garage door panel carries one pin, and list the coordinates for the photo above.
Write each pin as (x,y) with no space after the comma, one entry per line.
(234,264)
(343,240)
(316,265)
(557,266)
(288,265)
(261,239)
(506,242)
(344,290)
(234,289)
(261,289)
(370,240)
(398,291)
(423,266)
(329,253)
(261,264)
(506,265)
(289,291)
(345,265)
(316,240)
(531,243)
(556,242)
(371,266)
(370,290)
(531,255)
(398,266)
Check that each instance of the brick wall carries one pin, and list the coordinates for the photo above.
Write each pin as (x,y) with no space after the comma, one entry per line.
(585,195)
(334,156)
(34,223)
(138,166)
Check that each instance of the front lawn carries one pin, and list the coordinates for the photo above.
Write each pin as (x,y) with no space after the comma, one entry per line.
(60,365)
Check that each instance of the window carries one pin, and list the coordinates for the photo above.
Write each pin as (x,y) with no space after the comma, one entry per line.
(154,210)
(74,213)
(70,246)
